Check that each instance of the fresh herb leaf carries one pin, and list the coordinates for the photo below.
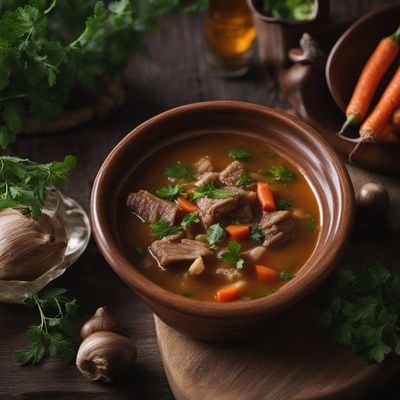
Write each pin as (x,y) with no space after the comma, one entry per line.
(209,190)
(189,219)
(281,174)
(285,275)
(138,251)
(180,171)
(56,334)
(362,310)
(263,293)
(288,9)
(244,179)
(311,224)
(239,153)
(169,192)
(25,183)
(283,203)
(214,234)
(162,228)
(256,234)
(232,256)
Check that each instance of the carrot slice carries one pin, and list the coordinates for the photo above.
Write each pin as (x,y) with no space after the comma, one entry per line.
(265,274)
(226,294)
(265,197)
(372,73)
(238,232)
(376,122)
(186,205)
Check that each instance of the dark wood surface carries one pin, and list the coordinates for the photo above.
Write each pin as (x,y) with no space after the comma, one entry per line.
(173,73)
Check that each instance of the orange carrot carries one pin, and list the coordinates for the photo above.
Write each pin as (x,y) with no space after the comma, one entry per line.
(186,205)
(265,197)
(238,232)
(396,119)
(228,293)
(374,125)
(372,73)
(265,274)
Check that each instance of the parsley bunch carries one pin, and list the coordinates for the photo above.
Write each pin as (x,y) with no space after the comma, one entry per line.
(363,311)
(48,47)
(55,335)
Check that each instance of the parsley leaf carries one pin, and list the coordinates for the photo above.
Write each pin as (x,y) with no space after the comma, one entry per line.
(239,153)
(169,192)
(311,224)
(285,275)
(232,256)
(162,228)
(180,171)
(288,9)
(215,233)
(244,179)
(25,183)
(281,174)
(189,219)
(56,334)
(256,234)
(263,293)
(283,203)
(209,190)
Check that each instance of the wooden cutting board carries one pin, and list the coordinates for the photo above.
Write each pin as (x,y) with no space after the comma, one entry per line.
(294,360)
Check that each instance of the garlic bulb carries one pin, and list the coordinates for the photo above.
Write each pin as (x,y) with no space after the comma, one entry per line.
(104,355)
(28,248)
(100,321)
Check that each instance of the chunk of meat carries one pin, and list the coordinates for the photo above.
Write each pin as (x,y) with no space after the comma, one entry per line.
(171,249)
(230,175)
(278,227)
(242,209)
(206,177)
(204,164)
(150,208)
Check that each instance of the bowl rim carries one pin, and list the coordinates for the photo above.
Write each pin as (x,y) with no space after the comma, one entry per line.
(280,299)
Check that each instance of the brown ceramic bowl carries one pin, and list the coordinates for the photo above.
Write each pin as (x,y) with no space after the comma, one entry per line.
(296,141)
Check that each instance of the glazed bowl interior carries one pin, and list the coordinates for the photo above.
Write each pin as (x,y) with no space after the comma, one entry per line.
(294,140)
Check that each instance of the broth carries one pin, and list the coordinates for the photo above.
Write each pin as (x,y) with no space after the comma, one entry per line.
(285,259)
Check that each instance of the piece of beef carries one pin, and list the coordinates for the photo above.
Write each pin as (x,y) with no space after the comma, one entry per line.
(206,177)
(230,175)
(150,208)
(171,249)
(242,208)
(278,227)
(204,164)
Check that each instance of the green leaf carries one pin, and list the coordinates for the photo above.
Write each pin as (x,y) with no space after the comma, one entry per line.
(180,171)
(189,219)
(232,256)
(311,224)
(162,228)
(256,234)
(283,203)
(210,191)
(169,192)
(263,293)
(36,352)
(244,179)
(61,347)
(215,233)
(239,153)
(281,174)
(285,275)
(378,352)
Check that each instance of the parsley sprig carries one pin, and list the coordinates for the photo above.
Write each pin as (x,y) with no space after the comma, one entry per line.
(239,153)
(244,179)
(232,256)
(24,183)
(182,172)
(281,174)
(169,192)
(162,228)
(215,233)
(212,192)
(363,310)
(55,335)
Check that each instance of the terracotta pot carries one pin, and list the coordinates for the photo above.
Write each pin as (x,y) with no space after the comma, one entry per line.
(277,36)
(294,139)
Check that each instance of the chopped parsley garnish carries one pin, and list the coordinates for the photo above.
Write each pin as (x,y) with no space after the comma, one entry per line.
(281,174)
(263,293)
(283,203)
(186,293)
(311,224)
(162,228)
(363,310)
(232,256)
(189,219)
(209,190)
(256,234)
(244,179)
(169,192)
(239,153)
(285,275)
(181,172)
(214,234)
(138,250)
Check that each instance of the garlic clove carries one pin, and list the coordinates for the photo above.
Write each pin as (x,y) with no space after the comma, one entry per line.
(28,248)
(100,321)
(197,266)
(103,355)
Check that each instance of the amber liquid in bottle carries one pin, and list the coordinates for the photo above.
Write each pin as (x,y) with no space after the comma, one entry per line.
(230,33)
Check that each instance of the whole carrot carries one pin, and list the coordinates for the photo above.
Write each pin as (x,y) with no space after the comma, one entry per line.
(376,122)
(372,73)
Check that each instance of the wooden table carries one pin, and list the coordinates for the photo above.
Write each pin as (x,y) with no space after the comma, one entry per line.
(174,73)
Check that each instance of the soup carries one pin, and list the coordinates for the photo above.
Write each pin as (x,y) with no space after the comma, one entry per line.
(218,218)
